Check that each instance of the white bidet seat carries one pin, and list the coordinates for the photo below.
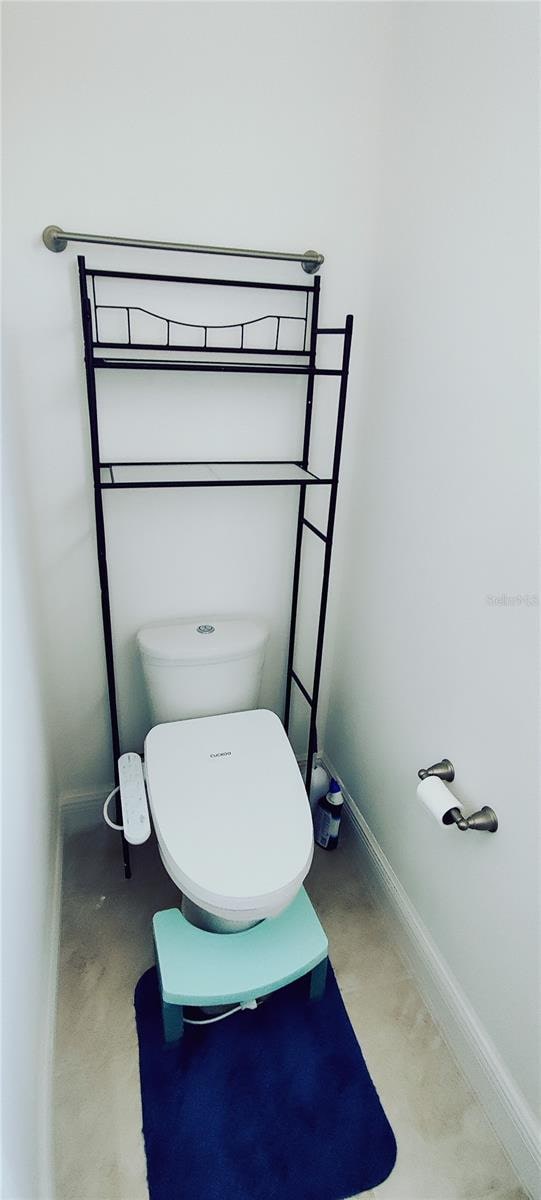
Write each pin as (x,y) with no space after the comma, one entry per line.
(230,811)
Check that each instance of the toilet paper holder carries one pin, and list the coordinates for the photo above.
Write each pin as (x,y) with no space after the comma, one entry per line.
(485,819)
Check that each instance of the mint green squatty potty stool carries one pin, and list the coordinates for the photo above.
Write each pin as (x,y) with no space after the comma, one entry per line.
(200,968)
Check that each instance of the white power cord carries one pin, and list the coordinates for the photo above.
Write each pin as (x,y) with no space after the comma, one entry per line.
(210,1020)
(106,816)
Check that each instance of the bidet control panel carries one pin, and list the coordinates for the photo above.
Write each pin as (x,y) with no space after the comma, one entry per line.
(133,797)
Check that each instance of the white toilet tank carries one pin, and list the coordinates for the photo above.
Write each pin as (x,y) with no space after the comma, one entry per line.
(202,668)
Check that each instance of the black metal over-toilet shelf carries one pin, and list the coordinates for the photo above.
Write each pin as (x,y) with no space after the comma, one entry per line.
(176,339)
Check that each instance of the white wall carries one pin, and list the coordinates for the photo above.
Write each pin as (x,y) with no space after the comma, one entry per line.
(233,124)
(28,855)
(443,505)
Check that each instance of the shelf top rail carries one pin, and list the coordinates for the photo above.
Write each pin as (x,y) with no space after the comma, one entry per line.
(204,280)
(56,239)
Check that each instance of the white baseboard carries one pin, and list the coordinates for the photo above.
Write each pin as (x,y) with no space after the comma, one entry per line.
(505,1107)
(46,1075)
(82,810)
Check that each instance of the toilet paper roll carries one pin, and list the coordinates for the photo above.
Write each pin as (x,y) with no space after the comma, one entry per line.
(437,798)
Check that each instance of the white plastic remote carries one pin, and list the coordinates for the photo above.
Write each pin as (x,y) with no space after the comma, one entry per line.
(134,799)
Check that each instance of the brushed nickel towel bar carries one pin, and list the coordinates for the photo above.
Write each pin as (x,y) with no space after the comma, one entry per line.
(485,819)
(56,239)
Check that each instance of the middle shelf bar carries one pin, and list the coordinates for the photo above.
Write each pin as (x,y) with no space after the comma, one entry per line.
(156,364)
(205,474)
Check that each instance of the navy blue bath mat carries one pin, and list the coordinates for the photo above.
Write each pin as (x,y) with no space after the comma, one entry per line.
(272,1104)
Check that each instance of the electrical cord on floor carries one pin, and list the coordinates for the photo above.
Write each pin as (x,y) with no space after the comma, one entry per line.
(187,1020)
(211,1020)
(251,1004)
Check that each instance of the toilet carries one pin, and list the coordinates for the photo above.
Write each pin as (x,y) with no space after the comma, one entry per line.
(228,802)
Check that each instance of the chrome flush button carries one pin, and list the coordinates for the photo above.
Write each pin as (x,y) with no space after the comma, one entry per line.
(205,629)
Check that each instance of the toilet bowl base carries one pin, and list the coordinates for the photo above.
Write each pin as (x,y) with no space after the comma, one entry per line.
(198,968)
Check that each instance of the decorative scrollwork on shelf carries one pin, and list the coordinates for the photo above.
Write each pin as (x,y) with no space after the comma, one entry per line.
(170,322)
